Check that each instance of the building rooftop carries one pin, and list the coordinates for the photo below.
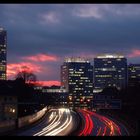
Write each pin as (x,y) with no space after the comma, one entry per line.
(76,59)
(110,56)
(1,29)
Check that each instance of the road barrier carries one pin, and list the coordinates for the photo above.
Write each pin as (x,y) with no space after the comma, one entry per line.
(31,118)
(10,125)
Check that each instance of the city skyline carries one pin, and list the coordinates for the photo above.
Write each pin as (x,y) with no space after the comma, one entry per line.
(41,36)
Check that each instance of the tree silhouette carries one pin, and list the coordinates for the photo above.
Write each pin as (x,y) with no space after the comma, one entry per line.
(27,75)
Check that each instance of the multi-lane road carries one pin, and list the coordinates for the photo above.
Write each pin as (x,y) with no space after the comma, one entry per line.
(57,122)
(62,122)
(98,125)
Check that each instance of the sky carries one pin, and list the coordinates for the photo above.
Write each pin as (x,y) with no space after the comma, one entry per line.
(40,36)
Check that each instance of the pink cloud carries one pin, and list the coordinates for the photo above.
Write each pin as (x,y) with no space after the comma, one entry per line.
(134,53)
(48,83)
(41,58)
(14,68)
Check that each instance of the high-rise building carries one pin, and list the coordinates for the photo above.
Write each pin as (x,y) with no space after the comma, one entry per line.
(133,74)
(110,71)
(3,46)
(77,79)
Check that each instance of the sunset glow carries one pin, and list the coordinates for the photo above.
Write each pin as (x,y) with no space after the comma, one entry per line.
(41,58)
(134,53)
(14,68)
(46,83)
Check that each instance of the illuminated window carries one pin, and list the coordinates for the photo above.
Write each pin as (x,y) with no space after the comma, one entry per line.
(104,76)
(90,70)
(109,62)
(2,68)
(64,66)
(118,59)
(83,77)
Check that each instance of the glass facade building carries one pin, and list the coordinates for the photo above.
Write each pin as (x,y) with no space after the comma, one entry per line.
(77,79)
(133,74)
(110,71)
(134,71)
(3,46)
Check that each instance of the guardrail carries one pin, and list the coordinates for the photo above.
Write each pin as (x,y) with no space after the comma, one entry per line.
(23,121)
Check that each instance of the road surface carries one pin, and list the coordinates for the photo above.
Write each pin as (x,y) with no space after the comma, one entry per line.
(98,125)
(58,122)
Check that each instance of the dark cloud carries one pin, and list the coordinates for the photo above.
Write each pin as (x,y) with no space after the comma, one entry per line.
(74,29)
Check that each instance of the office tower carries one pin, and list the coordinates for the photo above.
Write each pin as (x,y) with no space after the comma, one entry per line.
(110,71)
(133,74)
(77,79)
(3,46)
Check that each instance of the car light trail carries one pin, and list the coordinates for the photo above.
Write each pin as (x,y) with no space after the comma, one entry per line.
(43,130)
(57,125)
(88,124)
(109,123)
(50,127)
(104,122)
(61,128)
(53,114)
(104,131)
(99,131)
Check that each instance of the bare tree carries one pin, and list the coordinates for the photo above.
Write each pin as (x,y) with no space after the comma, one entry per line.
(27,75)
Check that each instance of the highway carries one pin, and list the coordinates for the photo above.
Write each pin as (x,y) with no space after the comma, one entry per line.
(61,122)
(98,125)
(58,122)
